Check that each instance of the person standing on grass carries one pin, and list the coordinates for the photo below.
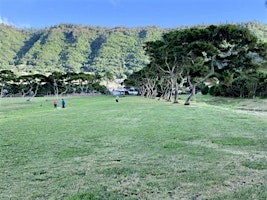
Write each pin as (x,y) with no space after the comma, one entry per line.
(63,103)
(55,104)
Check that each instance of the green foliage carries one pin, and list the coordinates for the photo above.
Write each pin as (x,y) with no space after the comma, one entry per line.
(68,47)
(223,56)
(55,83)
(245,85)
(204,90)
(216,90)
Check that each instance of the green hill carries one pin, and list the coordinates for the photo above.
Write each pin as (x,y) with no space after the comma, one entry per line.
(68,47)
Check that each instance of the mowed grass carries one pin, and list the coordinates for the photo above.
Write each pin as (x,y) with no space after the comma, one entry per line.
(138,148)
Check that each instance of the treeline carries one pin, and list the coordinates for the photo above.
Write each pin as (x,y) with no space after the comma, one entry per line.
(75,48)
(223,60)
(55,83)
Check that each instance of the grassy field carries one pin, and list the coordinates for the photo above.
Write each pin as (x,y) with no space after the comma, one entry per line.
(138,148)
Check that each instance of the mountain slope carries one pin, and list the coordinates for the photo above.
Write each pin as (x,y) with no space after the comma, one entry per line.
(68,47)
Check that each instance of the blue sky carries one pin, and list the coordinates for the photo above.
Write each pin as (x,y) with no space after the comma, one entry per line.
(130,13)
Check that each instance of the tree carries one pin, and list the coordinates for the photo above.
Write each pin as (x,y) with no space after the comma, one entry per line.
(81,82)
(5,77)
(108,76)
(169,59)
(30,84)
(218,51)
(56,79)
(200,55)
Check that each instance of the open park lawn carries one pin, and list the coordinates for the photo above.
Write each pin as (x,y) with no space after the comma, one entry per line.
(138,148)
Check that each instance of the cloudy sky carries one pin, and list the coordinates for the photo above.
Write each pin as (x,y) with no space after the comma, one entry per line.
(130,13)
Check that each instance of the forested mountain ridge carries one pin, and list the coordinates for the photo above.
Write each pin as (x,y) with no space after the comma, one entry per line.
(68,47)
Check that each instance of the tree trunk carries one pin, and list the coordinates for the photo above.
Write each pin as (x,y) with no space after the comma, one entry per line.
(192,93)
(2,91)
(176,93)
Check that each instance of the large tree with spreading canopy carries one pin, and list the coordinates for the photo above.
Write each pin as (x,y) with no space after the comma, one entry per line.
(200,55)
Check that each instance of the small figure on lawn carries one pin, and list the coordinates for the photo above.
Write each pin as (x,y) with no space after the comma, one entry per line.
(55,104)
(63,103)
(117,98)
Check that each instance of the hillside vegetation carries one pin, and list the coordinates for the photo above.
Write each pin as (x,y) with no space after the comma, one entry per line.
(75,48)
(68,47)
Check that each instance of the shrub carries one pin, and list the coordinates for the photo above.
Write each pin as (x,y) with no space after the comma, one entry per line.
(205,90)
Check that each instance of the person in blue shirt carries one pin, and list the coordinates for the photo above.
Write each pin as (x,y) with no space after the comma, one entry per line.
(63,103)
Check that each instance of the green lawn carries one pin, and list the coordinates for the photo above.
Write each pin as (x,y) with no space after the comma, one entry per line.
(138,148)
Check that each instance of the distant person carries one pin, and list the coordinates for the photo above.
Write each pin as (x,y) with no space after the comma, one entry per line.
(63,103)
(55,104)
(117,99)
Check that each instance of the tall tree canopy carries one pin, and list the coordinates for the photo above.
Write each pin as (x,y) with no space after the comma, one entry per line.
(198,55)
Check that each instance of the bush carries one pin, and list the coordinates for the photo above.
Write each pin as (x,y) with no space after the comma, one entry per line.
(215,90)
(205,90)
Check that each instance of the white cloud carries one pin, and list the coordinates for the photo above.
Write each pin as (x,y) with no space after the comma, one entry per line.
(5,21)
